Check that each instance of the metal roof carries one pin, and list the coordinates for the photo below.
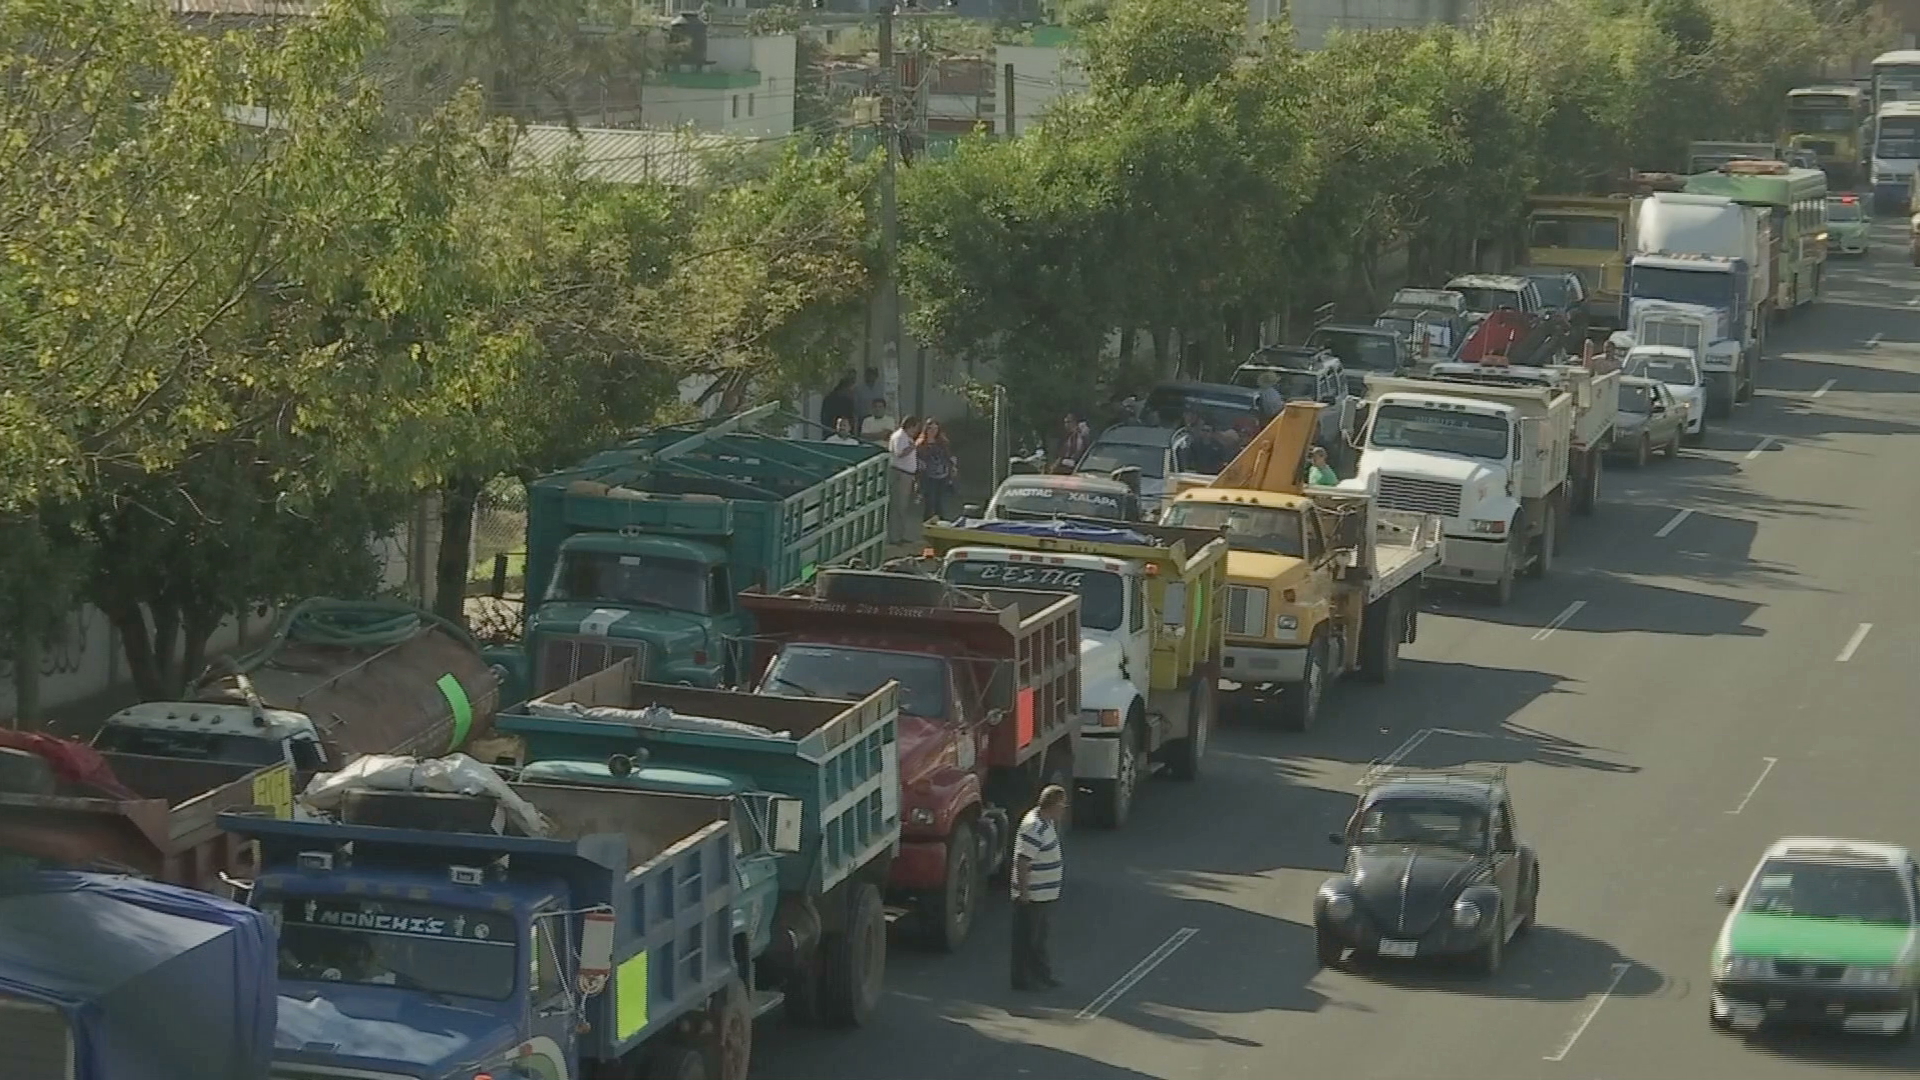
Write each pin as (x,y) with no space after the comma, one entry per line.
(627,155)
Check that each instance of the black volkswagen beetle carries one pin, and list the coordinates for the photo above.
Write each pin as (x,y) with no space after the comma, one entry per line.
(1434,868)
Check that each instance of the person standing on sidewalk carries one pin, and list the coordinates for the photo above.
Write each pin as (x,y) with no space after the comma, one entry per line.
(904,459)
(1038,870)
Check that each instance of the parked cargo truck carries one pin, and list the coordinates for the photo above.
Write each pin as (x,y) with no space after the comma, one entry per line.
(1322,582)
(338,678)
(419,942)
(815,786)
(106,978)
(989,704)
(1152,616)
(639,551)
(151,817)
(1502,455)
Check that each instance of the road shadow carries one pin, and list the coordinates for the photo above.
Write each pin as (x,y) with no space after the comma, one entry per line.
(1623,605)
(1815,1047)
(888,1049)
(1549,963)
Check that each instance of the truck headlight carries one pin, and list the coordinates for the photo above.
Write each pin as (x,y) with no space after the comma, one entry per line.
(1466,914)
(1745,967)
(1870,975)
(1286,626)
(1490,528)
(919,815)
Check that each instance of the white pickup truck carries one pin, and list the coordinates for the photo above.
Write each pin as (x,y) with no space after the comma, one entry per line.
(1502,454)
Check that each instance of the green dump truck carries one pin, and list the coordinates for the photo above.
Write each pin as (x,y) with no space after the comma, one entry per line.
(815,787)
(639,551)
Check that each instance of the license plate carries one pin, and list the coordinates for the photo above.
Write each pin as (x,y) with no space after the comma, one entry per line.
(1398,948)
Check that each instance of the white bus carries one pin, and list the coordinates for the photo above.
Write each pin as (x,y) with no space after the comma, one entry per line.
(1896,153)
(1896,76)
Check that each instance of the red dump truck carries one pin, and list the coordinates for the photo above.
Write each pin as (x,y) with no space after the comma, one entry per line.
(153,817)
(989,706)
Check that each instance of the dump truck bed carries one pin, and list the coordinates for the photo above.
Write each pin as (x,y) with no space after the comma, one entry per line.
(840,758)
(169,833)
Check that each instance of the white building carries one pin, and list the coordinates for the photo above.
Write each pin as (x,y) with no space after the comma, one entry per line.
(745,87)
(1314,19)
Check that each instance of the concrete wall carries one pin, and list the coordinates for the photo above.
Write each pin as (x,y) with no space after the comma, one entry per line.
(83,660)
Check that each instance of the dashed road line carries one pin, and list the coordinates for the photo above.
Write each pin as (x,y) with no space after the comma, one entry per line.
(1139,971)
(1765,441)
(1765,771)
(1672,524)
(1559,620)
(1619,972)
(1824,387)
(1853,643)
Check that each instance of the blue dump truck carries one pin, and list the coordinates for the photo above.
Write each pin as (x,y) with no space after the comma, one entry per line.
(639,551)
(816,790)
(110,978)
(420,941)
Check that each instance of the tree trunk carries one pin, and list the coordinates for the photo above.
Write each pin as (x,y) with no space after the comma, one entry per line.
(458,502)
(166,649)
(136,641)
(26,674)
(197,627)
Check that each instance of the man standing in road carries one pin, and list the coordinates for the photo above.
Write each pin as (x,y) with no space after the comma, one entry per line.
(1037,873)
(904,458)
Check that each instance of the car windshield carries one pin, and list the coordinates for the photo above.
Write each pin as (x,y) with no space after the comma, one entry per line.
(1033,501)
(1824,891)
(1406,820)
(1580,233)
(1275,530)
(1488,300)
(1102,593)
(1837,210)
(1369,352)
(1410,427)
(846,673)
(1293,385)
(428,947)
(1553,290)
(1175,407)
(197,745)
(638,580)
(1671,370)
(1105,457)
(1636,399)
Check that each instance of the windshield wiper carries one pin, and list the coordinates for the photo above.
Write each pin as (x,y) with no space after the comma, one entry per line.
(782,680)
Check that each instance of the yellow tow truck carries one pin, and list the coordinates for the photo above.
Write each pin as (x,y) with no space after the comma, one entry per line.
(1321,582)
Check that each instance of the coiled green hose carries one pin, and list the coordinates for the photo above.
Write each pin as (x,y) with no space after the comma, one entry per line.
(354,624)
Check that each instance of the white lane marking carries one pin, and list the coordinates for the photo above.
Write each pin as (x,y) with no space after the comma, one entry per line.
(1873,343)
(1771,762)
(1559,620)
(1853,643)
(1765,441)
(1824,387)
(1672,524)
(1140,971)
(1619,972)
(1411,744)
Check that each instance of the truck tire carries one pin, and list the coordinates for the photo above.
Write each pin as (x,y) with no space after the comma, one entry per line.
(729,1048)
(1110,801)
(1184,756)
(1642,451)
(1503,587)
(673,1061)
(1300,705)
(853,961)
(949,915)
(1545,545)
(1380,638)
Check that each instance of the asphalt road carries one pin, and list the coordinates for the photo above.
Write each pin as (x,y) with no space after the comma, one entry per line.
(1711,692)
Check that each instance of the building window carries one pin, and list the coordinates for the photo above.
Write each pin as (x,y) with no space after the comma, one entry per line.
(736,106)
(749,104)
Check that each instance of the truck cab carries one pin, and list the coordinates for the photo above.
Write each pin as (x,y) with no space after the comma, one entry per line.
(1487,293)
(1592,238)
(1456,457)
(204,731)
(663,601)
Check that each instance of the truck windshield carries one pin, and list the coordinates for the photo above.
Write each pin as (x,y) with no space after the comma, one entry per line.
(1825,891)
(197,745)
(1410,427)
(1272,529)
(844,672)
(1570,231)
(1898,139)
(639,580)
(1710,288)
(1102,593)
(1809,121)
(432,948)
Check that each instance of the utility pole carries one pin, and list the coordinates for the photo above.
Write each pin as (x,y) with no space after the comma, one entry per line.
(889,210)
(1007,75)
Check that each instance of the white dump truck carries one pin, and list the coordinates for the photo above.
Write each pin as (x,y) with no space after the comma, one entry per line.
(1502,454)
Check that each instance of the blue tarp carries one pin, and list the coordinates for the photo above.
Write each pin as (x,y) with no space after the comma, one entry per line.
(1080,532)
(157,982)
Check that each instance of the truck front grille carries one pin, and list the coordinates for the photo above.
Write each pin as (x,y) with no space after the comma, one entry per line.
(1246,611)
(1679,335)
(1419,495)
(570,659)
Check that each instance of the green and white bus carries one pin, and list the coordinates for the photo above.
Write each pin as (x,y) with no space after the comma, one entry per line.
(1797,200)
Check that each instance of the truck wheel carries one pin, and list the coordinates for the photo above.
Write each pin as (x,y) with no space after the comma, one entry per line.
(1503,588)
(1203,700)
(1545,545)
(1642,451)
(1380,639)
(1112,800)
(1586,493)
(730,1047)
(1300,704)
(676,1062)
(950,917)
(853,962)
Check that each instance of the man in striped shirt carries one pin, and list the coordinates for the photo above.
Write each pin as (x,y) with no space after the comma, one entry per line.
(1037,873)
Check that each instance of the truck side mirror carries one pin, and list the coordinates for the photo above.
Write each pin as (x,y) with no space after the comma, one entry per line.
(596,951)
(994,716)
(972,510)
(787,818)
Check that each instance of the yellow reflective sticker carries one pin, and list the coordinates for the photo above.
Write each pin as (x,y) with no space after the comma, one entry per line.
(274,788)
(630,996)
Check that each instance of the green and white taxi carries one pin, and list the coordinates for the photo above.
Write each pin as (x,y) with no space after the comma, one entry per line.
(1824,933)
